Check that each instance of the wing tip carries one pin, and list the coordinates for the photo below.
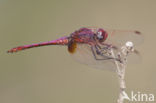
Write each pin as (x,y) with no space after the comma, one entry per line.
(138,32)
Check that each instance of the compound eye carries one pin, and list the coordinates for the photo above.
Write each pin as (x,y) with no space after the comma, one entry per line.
(101,35)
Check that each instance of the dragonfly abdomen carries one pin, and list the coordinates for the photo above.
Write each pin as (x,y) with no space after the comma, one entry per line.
(60,41)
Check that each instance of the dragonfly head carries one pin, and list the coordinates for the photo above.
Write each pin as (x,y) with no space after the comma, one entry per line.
(101,35)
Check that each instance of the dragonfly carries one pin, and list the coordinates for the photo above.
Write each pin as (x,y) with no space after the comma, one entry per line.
(92,46)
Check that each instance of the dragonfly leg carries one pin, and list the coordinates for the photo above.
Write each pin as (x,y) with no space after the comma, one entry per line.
(98,52)
(105,49)
(109,46)
(102,50)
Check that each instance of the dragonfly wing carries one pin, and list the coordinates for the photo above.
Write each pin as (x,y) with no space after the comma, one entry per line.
(134,57)
(120,37)
(84,55)
(116,38)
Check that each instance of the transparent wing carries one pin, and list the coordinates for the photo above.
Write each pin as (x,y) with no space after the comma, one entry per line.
(116,38)
(134,58)
(120,37)
(84,55)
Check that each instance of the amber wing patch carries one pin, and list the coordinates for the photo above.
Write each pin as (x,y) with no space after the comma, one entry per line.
(72,47)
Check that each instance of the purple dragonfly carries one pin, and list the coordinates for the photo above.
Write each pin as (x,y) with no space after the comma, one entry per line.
(91,46)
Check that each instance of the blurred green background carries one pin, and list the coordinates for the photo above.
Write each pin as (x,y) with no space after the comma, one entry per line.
(49,74)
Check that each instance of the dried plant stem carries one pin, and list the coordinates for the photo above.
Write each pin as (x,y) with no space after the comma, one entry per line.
(121,74)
